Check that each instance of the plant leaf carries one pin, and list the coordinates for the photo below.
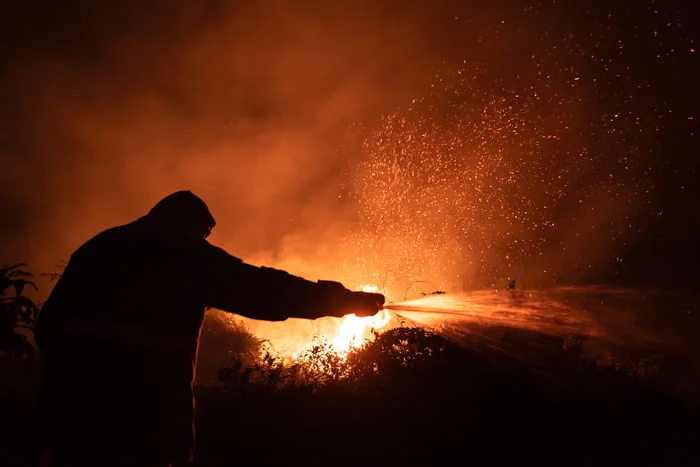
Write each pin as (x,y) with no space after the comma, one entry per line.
(8,269)
(25,307)
(19,285)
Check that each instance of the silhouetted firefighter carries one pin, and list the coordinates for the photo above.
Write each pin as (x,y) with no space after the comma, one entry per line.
(120,331)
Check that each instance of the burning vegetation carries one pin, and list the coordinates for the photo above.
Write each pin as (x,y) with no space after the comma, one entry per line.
(291,342)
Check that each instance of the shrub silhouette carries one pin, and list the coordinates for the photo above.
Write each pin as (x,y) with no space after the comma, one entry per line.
(16,311)
(390,354)
(224,341)
(19,375)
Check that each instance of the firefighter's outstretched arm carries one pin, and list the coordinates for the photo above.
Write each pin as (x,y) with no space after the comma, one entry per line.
(274,295)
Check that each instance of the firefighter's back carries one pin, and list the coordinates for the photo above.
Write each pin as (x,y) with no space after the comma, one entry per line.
(119,338)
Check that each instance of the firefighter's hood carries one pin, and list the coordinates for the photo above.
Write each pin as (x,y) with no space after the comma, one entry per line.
(184,213)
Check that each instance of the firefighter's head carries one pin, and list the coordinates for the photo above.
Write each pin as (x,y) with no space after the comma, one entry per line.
(183,213)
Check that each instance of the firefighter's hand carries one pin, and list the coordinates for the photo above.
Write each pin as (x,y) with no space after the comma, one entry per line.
(339,301)
(366,304)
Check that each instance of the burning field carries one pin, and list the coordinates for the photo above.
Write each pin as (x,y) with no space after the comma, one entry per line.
(651,333)
(591,370)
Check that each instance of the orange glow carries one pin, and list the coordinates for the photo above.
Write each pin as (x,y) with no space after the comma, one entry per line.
(292,338)
(353,330)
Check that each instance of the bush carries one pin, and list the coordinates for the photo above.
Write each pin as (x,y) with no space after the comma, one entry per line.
(410,396)
(224,342)
(16,312)
(392,353)
(18,365)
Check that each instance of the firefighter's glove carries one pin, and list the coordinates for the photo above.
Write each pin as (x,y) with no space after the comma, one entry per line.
(341,301)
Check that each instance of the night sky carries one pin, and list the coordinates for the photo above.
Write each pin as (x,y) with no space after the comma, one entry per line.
(464,142)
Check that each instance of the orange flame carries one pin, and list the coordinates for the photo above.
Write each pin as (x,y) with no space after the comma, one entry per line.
(353,330)
(293,337)
(341,334)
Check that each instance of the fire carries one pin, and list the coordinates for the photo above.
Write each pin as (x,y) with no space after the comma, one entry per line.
(293,338)
(353,330)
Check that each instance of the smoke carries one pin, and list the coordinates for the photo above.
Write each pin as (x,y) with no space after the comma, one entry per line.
(111,108)
(108,108)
